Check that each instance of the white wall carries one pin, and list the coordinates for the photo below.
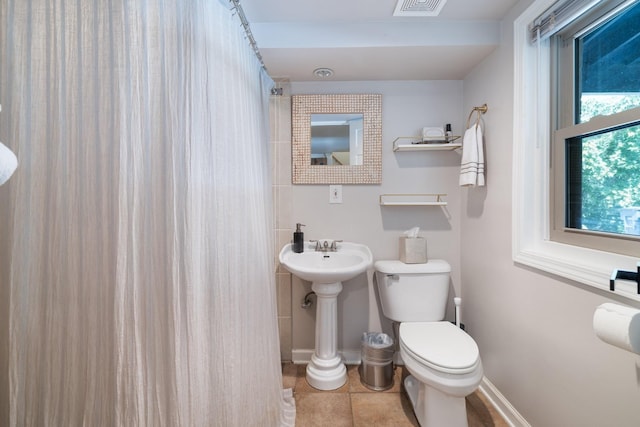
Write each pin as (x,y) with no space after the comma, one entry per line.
(406,108)
(534,330)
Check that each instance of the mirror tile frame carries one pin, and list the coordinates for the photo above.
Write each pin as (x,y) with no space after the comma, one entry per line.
(370,105)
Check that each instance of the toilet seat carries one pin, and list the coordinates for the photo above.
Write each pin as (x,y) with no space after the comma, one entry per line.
(441,346)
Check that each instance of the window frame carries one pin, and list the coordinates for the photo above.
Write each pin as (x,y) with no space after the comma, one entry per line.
(619,243)
(563,52)
(531,197)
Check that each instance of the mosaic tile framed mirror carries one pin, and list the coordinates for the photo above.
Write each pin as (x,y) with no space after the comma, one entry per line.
(336,139)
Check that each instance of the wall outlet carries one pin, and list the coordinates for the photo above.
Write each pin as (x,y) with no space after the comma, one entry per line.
(335,194)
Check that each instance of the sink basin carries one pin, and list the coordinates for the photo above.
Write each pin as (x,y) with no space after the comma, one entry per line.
(346,263)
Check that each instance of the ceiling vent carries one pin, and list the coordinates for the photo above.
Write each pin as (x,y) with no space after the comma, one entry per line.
(419,7)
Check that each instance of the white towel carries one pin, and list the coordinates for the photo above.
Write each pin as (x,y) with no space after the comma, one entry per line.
(8,163)
(472,166)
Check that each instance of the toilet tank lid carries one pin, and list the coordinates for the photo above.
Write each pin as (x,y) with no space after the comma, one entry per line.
(399,267)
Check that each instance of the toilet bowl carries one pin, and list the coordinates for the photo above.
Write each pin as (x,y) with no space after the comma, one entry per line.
(443,360)
(445,367)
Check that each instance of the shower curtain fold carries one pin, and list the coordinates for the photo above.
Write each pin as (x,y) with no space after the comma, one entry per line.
(141,276)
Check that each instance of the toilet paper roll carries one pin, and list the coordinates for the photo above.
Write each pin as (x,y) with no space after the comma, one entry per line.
(618,325)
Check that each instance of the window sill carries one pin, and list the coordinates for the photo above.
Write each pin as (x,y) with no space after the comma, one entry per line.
(582,265)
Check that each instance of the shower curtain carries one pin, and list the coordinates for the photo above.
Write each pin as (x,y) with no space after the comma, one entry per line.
(139,223)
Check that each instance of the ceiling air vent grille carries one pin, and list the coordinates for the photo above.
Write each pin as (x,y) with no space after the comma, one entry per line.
(419,7)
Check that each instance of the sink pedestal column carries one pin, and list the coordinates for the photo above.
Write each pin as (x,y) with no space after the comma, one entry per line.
(326,370)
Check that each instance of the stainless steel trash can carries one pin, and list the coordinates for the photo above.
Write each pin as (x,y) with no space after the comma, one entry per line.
(376,369)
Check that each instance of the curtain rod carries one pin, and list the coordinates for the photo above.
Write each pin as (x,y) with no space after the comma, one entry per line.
(247,30)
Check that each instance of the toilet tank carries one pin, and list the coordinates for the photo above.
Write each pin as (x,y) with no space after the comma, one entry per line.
(413,292)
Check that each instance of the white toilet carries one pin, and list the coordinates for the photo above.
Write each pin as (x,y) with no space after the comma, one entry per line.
(443,360)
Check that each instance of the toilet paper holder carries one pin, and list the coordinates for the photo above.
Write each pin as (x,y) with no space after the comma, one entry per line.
(633,276)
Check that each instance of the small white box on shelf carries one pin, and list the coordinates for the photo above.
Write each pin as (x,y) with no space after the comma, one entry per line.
(432,133)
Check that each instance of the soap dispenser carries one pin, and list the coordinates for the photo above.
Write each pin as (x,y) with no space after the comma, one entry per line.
(298,239)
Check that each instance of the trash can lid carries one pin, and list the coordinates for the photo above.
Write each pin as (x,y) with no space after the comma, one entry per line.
(376,340)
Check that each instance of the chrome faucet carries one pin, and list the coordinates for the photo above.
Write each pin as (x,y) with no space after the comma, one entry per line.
(325,246)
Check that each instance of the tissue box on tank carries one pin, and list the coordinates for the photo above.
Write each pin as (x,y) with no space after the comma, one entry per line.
(413,250)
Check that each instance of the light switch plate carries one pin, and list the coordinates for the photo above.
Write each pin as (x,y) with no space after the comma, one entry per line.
(335,194)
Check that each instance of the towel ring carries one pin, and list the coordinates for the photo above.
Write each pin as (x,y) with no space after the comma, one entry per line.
(479,111)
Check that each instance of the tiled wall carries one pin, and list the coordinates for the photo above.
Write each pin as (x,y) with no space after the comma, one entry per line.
(280,116)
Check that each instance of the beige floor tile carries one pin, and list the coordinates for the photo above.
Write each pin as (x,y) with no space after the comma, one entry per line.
(382,410)
(323,410)
(355,405)
(289,375)
(478,404)
(473,418)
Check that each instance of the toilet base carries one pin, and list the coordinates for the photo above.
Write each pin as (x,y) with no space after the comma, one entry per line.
(434,408)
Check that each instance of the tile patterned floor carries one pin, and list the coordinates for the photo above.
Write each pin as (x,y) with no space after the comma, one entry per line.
(354,405)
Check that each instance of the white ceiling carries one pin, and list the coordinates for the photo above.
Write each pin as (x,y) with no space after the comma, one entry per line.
(362,40)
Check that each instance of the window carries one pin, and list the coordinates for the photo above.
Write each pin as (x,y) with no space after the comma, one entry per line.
(596,148)
(535,132)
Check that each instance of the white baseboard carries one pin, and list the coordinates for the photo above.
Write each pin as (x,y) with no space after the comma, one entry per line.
(303,356)
(502,405)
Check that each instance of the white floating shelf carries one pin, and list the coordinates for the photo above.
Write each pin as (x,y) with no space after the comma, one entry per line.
(416,143)
(412,200)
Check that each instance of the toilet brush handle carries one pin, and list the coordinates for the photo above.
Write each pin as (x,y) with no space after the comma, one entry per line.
(457,301)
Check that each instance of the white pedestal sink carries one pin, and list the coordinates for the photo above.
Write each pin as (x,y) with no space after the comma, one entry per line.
(326,271)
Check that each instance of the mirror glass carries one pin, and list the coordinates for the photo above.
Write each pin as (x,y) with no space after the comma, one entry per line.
(337,139)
